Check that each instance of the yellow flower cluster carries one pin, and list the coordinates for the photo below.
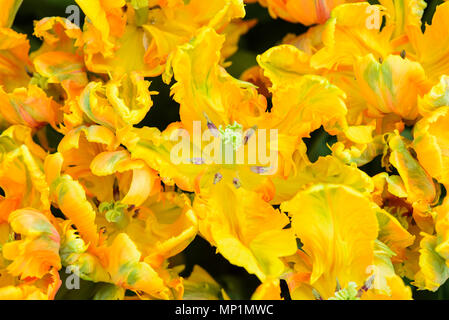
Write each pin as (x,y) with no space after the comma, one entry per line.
(111,205)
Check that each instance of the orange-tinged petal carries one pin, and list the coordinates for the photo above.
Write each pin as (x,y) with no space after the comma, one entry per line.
(255,75)
(268,290)
(61,67)
(392,86)
(58,35)
(31,107)
(14,61)
(126,269)
(306,12)
(9,11)
(38,250)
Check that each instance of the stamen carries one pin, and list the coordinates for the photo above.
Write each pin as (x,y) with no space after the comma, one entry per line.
(338,287)
(217,178)
(232,134)
(198,161)
(348,293)
(211,126)
(366,286)
(259,169)
(248,134)
(116,190)
(316,294)
(236,182)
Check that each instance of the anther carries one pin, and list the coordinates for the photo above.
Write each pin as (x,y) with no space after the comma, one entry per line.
(259,170)
(248,134)
(236,182)
(197,161)
(217,178)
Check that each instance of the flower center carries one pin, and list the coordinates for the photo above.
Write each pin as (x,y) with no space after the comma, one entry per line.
(114,212)
(232,135)
(348,293)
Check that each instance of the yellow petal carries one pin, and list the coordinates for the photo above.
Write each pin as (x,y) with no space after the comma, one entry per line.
(430,144)
(337,226)
(432,46)
(404,13)
(201,286)
(386,284)
(253,239)
(126,269)
(305,105)
(71,199)
(284,64)
(130,97)
(205,88)
(393,235)
(418,183)
(351,32)
(233,31)
(21,174)
(170,225)
(436,97)
(143,178)
(325,170)
(269,290)
(433,269)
